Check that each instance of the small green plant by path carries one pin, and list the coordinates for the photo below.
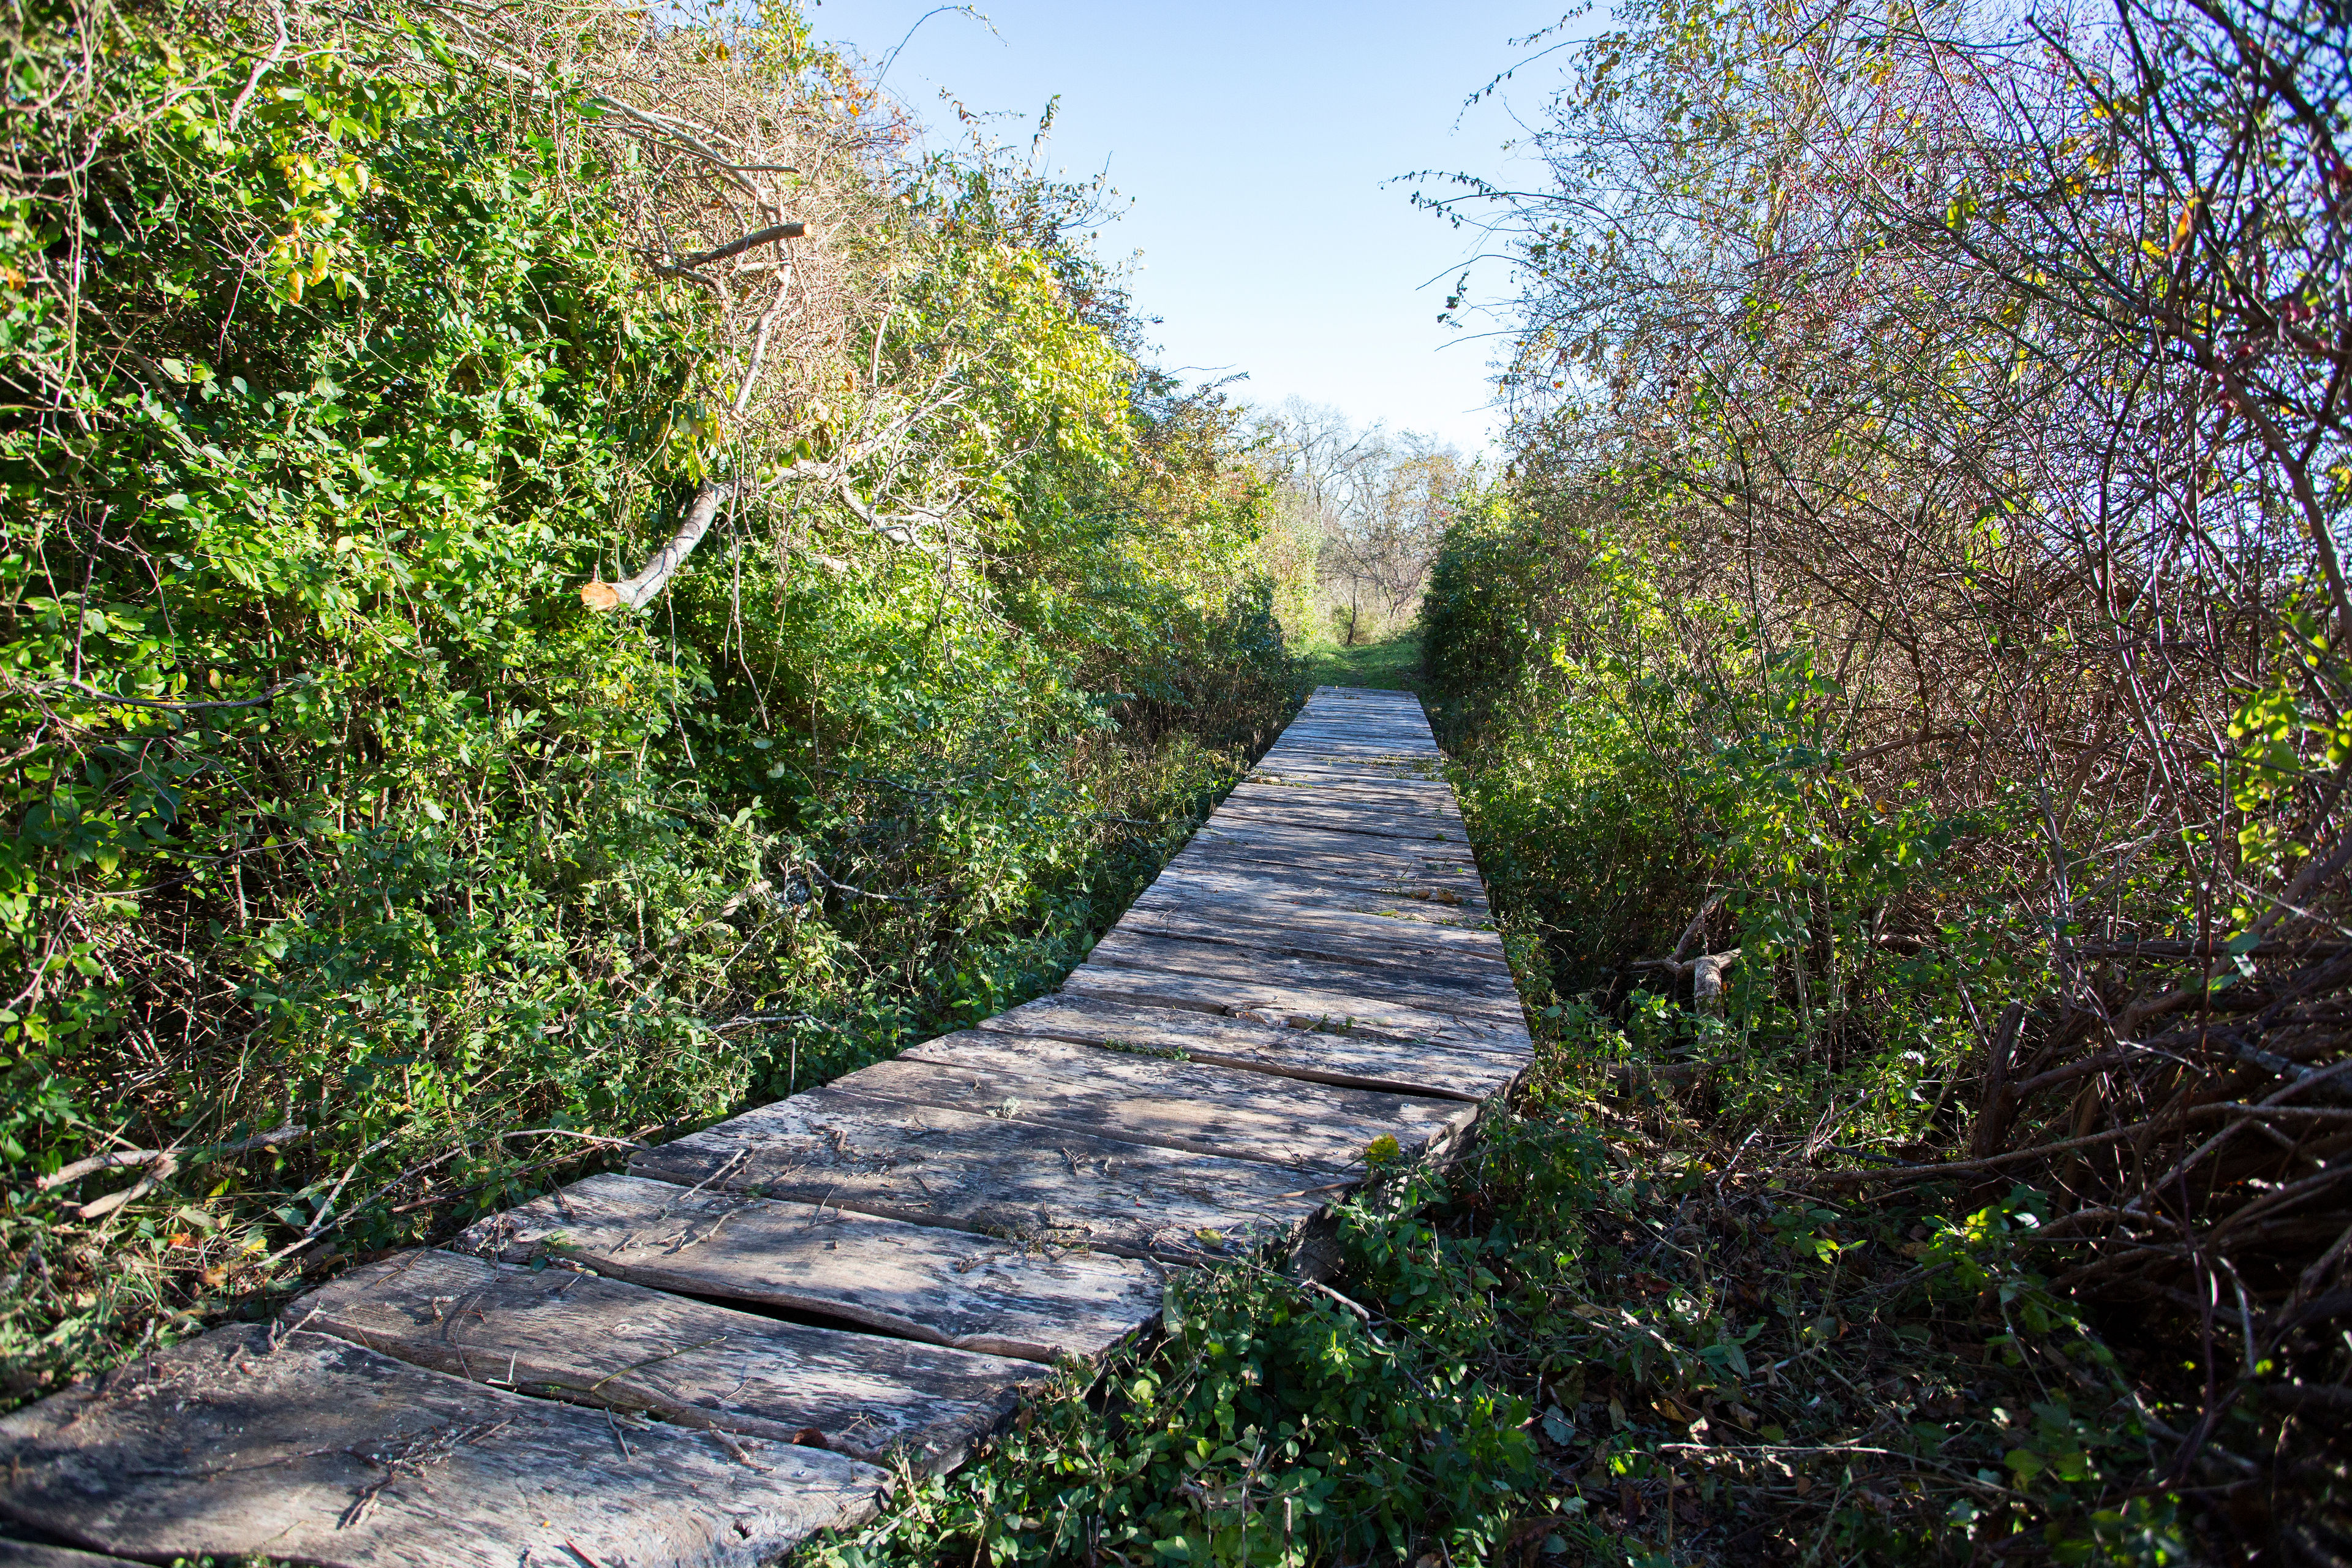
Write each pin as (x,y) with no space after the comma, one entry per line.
(1592,1339)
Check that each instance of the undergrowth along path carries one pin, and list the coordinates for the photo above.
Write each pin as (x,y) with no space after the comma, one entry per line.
(709,1358)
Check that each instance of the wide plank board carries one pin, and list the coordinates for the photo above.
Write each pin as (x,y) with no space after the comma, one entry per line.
(1210,851)
(1365,805)
(1364,1062)
(921,1282)
(1017,1180)
(1269,890)
(1296,1006)
(1310,843)
(1432,801)
(1422,780)
(566,1334)
(1440,987)
(323,1451)
(1332,813)
(32,1555)
(1336,935)
(1174,1102)
(1361,761)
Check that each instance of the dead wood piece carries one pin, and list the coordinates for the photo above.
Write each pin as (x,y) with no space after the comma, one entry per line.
(569,1335)
(321,1450)
(639,591)
(733,248)
(925,1283)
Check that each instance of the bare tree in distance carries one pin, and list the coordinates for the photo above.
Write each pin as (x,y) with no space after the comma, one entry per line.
(1372,505)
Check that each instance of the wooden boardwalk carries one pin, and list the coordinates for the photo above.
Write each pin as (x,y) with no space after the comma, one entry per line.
(711,1356)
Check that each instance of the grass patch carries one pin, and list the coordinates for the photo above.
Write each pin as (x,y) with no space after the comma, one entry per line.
(1392,664)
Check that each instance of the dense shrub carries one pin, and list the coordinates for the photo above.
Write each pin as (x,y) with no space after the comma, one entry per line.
(331,370)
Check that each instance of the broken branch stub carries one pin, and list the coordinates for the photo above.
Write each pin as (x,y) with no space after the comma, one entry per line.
(1706,979)
(638,591)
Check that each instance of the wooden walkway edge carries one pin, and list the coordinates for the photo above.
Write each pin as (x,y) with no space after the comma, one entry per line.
(709,1358)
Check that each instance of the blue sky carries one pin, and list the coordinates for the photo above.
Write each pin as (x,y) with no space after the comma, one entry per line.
(1253,141)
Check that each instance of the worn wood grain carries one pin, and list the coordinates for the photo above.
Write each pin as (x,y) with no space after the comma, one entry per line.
(1444,988)
(1363,804)
(567,1334)
(1340,814)
(1309,933)
(1307,843)
(1176,1102)
(323,1451)
(1416,1066)
(1354,791)
(1020,1181)
(1372,760)
(32,1555)
(1427,877)
(938,1285)
(1249,885)
(1298,1007)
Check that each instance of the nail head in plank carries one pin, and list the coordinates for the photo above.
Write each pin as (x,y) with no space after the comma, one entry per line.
(1416,1066)
(323,1451)
(564,1334)
(1023,1181)
(939,1285)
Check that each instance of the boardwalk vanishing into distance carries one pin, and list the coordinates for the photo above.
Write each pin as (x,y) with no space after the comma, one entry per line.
(709,1357)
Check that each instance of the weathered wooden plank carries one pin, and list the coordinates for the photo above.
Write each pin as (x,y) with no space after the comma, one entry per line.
(1354,789)
(1016,1180)
(939,1285)
(1385,830)
(1118,1092)
(1437,989)
(1369,1061)
(1256,885)
(1241,887)
(1297,1006)
(566,1334)
(326,1452)
(1389,739)
(1438,892)
(1369,761)
(1409,802)
(1311,933)
(1443,983)
(1396,862)
(1315,842)
(1458,878)
(1426,775)
(33,1554)
(1361,810)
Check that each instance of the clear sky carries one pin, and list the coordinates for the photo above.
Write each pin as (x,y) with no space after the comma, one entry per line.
(1255,142)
